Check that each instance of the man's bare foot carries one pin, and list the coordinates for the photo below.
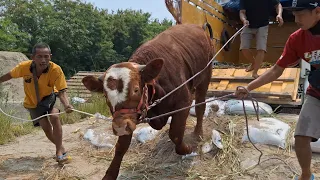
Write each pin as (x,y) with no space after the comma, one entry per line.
(255,76)
(250,68)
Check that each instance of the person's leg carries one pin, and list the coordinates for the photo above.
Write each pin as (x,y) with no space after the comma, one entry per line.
(261,42)
(303,152)
(57,132)
(307,130)
(47,129)
(245,44)
(43,123)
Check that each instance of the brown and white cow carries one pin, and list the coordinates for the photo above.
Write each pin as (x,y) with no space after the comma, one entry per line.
(156,68)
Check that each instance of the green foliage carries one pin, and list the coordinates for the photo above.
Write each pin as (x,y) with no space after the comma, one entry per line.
(11,38)
(82,37)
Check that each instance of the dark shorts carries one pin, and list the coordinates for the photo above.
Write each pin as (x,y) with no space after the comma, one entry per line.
(37,112)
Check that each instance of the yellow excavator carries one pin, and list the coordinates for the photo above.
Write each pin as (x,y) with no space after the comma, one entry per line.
(229,65)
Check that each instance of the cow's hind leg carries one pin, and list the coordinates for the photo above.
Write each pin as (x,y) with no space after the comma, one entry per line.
(200,96)
(176,132)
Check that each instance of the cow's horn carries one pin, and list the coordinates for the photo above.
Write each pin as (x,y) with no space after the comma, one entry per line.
(141,67)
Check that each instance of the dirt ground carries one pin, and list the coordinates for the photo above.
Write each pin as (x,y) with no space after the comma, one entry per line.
(31,156)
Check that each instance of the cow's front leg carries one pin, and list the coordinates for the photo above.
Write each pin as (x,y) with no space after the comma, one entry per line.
(176,132)
(122,146)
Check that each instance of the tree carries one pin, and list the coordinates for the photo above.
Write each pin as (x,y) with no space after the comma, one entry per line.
(81,36)
(11,38)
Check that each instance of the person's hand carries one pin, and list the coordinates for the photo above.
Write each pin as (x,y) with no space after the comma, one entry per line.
(245,22)
(241,92)
(68,108)
(279,20)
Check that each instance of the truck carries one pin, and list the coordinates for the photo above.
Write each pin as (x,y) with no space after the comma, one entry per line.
(229,72)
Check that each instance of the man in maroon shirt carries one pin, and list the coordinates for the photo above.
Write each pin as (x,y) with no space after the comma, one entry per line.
(302,44)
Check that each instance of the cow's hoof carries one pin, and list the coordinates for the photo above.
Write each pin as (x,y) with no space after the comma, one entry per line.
(183,149)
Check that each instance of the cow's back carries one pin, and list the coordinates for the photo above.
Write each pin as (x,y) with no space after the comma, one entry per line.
(186,50)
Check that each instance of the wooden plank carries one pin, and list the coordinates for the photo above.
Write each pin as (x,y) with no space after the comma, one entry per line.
(276,86)
(244,78)
(74,80)
(215,5)
(287,87)
(77,88)
(296,85)
(213,85)
(207,7)
(75,84)
(233,86)
(264,88)
(79,91)
(89,74)
(242,73)
(223,85)
(218,93)
(215,72)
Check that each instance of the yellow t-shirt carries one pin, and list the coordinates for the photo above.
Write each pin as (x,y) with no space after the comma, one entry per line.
(52,79)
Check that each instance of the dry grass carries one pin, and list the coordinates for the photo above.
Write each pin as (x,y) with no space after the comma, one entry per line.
(59,174)
(157,159)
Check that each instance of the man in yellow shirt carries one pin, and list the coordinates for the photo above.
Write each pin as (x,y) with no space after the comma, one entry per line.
(41,91)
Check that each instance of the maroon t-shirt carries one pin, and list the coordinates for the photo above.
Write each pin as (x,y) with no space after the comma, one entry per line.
(302,44)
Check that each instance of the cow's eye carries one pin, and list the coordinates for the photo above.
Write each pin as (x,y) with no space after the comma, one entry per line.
(136,90)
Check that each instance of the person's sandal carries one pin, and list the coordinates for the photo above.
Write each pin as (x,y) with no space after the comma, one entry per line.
(64,158)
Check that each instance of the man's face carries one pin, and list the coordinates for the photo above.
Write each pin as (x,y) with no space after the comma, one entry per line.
(42,57)
(306,19)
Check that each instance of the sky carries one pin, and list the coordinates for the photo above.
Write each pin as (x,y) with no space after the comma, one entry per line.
(156,8)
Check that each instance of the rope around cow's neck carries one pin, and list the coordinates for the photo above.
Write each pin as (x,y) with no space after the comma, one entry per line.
(213,58)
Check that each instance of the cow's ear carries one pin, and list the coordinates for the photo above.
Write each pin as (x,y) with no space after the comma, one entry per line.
(93,84)
(152,70)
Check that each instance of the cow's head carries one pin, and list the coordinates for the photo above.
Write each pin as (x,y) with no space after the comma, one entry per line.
(125,89)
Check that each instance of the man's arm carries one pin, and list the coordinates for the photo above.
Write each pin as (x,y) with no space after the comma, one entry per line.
(242,15)
(279,10)
(61,85)
(63,98)
(5,77)
(273,74)
(65,101)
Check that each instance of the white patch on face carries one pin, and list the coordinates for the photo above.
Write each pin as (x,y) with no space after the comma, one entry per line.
(115,96)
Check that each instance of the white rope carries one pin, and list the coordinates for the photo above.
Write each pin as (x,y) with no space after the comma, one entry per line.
(28,120)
